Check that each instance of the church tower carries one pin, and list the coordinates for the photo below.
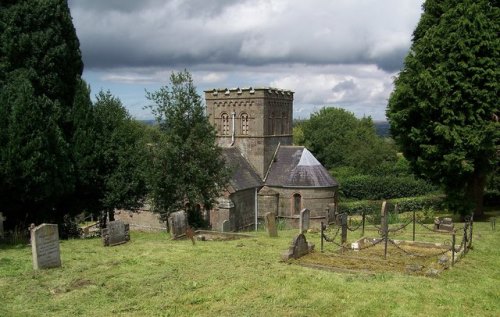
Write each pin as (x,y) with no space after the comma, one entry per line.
(255,121)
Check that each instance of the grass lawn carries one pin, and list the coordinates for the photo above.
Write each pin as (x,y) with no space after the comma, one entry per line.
(155,276)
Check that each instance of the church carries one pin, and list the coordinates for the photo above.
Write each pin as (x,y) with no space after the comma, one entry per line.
(268,173)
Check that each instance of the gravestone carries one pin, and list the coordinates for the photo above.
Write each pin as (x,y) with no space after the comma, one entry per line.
(226,226)
(298,248)
(383,214)
(45,246)
(117,232)
(271,224)
(2,219)
(446,224)
(305,216)
(177,222)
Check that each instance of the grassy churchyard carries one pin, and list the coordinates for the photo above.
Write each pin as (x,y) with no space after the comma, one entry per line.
(155,276)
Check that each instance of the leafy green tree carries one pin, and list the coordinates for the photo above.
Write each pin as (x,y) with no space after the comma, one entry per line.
(339,139)
(121,161)
(188,168)
(444,109)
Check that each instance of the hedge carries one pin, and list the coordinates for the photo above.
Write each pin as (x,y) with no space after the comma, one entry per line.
(372,187)
(404,205)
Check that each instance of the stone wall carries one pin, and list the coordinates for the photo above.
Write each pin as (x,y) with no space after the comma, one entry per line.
(143,220)
(317,200)
(244,215)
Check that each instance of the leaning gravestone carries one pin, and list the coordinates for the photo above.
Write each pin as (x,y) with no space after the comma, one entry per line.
(117,232)
(177,222)
(305,215)
(45,246)
(299,248)
(2,219)
(271,224)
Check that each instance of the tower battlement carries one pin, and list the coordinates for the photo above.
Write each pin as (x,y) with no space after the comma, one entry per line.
(250,92)
(255,120)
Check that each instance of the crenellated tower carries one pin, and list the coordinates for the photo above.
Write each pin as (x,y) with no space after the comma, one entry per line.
(253,120)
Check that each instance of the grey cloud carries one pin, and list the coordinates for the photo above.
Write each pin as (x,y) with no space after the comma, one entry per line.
(185,33)
(345,85)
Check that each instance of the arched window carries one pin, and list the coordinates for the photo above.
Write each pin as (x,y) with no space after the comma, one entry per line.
(244,124)
(284,123)
(271,123)
(225,123)
(296,203)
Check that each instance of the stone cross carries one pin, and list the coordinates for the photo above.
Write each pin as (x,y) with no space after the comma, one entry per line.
(305,215)
(271,224)
(2,219)
(45,246)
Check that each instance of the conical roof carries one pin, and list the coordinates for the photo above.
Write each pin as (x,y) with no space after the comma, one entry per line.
(296,166)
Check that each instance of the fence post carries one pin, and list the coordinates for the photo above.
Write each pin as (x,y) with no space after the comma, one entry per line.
(363,222)
(385,230)
(471,225)
(466,225)
(414,220)
(322,236)
(344,228)
(453,248)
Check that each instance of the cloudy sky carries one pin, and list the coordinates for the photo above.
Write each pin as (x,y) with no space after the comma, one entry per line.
(341,53)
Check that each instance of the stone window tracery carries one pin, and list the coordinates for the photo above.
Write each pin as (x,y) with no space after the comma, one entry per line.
(244,124)
(225,123)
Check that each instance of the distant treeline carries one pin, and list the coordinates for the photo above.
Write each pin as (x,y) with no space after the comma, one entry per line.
(382,128)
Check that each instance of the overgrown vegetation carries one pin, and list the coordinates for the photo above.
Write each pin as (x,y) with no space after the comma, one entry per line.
(155,276)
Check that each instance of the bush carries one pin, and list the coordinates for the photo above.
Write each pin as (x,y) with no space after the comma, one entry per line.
(383,187)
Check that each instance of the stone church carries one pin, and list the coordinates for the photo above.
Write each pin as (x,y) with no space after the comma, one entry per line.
(269,174)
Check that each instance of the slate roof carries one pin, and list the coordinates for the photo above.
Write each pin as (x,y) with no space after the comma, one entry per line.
(243,175)
(295,166)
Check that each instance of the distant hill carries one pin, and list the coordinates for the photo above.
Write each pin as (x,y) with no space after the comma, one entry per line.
(148,122)
(382,128)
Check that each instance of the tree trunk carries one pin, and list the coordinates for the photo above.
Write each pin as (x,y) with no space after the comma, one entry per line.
(475,192)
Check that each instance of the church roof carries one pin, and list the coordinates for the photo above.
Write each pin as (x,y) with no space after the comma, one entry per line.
(243,175)
(295,166)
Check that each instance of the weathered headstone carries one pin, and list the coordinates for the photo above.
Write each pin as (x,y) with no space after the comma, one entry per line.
(299,248)
(177,222)
(271,224)
(45,246)
(383,214)
(226,226)
(117,232)
(446,224)
(305,216)
(2,219)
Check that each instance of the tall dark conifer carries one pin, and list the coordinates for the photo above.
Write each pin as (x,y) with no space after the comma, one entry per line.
(444,109)
(40,65)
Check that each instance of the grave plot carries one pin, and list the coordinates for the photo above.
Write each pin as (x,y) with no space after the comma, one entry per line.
(380,251)
(207,235)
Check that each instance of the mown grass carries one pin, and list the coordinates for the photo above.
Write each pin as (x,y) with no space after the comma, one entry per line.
(155,276)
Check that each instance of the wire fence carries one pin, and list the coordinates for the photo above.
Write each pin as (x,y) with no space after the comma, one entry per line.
(342,226)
